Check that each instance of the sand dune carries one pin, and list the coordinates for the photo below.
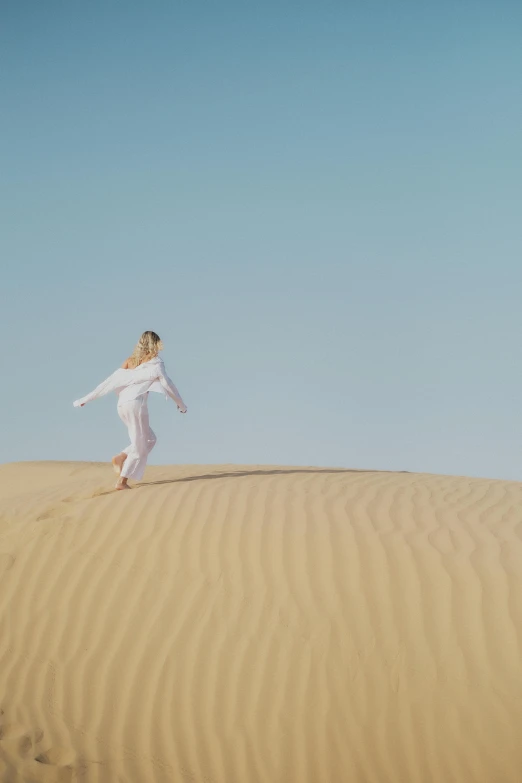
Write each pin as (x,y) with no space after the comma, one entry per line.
(259,625)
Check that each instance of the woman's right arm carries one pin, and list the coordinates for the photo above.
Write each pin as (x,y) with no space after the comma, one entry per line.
(103,388)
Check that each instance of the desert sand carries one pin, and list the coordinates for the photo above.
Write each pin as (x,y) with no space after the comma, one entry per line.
(230,624)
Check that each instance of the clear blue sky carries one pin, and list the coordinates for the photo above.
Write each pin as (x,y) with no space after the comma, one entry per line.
(317,206)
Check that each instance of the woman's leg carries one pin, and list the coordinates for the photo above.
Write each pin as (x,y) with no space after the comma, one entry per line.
(119,459)
(141,436)
(151,441)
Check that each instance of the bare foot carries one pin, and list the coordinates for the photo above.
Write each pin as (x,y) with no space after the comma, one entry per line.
(121,485)
(117,462)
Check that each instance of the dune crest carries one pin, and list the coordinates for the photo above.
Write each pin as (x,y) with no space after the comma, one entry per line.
(231,624)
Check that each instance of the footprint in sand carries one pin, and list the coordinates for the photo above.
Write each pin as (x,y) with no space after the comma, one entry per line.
(6,561)
(56,757)
(27,743)
(27,752)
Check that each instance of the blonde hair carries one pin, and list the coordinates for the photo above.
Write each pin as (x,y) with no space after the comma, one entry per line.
(147,347)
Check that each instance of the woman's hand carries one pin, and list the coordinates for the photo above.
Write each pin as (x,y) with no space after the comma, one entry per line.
(182,410)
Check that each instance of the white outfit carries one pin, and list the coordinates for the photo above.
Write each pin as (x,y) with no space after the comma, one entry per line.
(135,414)
(149,376)
(132,387)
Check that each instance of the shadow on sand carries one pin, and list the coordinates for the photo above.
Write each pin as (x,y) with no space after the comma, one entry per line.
(279,471)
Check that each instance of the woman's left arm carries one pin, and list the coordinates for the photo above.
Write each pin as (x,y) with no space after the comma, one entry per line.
(170,388)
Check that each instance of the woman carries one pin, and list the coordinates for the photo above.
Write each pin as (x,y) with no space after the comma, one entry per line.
(142,372)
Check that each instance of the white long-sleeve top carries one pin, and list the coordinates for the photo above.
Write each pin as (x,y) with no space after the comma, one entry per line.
(131,384)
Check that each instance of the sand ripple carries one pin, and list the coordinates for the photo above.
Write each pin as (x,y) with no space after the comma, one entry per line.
(259,625)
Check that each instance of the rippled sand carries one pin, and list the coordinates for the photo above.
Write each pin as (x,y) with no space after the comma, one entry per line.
(231,624)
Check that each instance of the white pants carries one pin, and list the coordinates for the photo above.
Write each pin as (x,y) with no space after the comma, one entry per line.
(135,414)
